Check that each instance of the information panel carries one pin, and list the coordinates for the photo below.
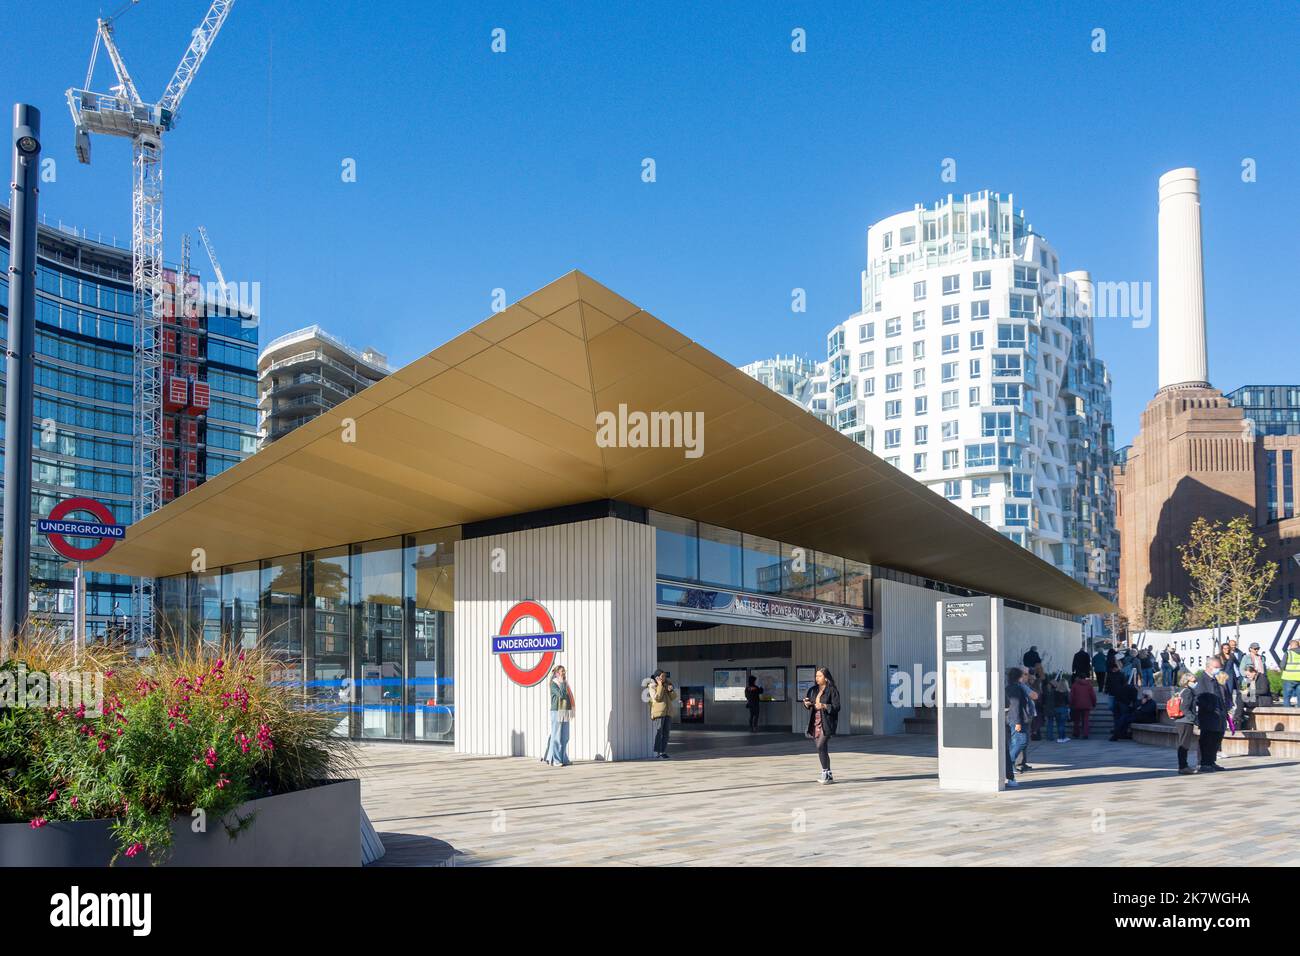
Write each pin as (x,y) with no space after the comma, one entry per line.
(966,665)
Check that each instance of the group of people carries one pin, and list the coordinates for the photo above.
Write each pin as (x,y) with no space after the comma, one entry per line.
(1217,701)
(821,700)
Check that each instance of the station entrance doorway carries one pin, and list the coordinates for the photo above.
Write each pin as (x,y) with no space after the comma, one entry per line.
(710,665)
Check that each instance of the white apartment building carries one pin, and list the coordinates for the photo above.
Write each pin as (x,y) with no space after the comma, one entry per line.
(970,367)
(799,378)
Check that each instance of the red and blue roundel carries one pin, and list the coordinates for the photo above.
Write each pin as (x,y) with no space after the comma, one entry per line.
(547,643)
(56,526)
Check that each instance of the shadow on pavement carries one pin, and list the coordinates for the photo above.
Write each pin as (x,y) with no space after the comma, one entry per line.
(409,849)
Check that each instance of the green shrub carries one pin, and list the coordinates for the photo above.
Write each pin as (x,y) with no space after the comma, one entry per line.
(194,730)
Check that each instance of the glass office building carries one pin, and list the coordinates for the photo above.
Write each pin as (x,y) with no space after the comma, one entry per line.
(1272,409)
(83,404)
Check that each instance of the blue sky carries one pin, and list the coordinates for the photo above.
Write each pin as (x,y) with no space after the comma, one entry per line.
(478,170)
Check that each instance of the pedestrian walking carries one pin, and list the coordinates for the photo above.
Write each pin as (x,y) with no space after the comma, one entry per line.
(1083,699)
(557,747)
(1032,658)
(1100,668)
(753,695)
(1182,708)
(662,696)
(1017,716)
(1211,714)
(822,701)
(1081,666)
(1166,667)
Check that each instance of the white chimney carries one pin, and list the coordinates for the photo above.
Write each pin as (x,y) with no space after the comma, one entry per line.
(1182,282)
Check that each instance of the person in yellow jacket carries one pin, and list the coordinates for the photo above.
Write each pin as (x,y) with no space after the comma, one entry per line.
(662,696)
(1291,674)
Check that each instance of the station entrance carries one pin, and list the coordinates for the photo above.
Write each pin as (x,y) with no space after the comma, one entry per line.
(710,664)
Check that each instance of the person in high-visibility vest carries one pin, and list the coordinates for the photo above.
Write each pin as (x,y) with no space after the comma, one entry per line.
(1291,674)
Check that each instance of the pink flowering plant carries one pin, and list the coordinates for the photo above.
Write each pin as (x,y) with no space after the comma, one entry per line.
(202,729)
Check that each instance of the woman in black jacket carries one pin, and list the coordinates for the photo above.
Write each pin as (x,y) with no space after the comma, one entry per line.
(822,701)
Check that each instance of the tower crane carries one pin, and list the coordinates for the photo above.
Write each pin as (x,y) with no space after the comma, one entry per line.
(216,266)
(122,112)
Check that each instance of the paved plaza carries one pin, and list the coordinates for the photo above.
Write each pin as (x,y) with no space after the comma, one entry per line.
(729,799)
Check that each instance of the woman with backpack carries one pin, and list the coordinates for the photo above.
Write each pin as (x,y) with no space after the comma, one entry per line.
(1182,708)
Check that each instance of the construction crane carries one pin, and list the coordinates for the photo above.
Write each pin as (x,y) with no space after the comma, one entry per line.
(122,112)
(216,266)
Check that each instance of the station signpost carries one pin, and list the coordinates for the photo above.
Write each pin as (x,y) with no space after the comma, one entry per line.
(57,527)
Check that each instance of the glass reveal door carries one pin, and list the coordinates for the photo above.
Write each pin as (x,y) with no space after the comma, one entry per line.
(329,637)
(430,573)
(380,626)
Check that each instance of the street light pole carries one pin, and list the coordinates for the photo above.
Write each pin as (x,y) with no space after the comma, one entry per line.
(19,363)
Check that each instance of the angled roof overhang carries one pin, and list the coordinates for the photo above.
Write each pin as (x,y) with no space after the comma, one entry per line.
(502,420)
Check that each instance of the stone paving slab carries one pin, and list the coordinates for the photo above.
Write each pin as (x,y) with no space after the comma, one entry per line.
(762,805)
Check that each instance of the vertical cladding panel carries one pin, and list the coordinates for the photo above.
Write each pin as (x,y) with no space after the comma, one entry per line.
(905,627)
(587,576)
(1056,640)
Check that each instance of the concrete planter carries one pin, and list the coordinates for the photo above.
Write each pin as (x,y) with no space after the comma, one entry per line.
(316,827)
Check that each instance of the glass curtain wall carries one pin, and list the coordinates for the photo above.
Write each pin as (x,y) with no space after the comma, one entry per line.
(429,567)
(377,588)
(329,636)
(282,617)
(240,593)
(207,608)
(699,553)
(365,630)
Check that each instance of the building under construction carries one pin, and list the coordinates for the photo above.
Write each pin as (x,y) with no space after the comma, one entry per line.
(84,420)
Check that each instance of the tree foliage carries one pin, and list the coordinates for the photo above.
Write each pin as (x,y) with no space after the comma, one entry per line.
(1228,580)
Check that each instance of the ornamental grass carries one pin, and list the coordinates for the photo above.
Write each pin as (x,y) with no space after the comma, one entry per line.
(187,733)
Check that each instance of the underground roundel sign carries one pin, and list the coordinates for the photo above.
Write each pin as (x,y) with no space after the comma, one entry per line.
(103,527)
(505,643)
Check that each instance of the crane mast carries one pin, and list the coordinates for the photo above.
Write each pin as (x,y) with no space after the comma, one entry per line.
(123,113)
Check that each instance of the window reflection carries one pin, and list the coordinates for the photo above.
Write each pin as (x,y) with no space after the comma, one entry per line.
(239,602)
(430,576)
(720,556)
(797,572)
(676,547)
(378,581)
(712,556)
(282,617)
(207,608)
(762,562)
(329,649)
(830,578)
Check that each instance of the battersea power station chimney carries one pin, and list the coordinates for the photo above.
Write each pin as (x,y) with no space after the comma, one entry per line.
(1182,282)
